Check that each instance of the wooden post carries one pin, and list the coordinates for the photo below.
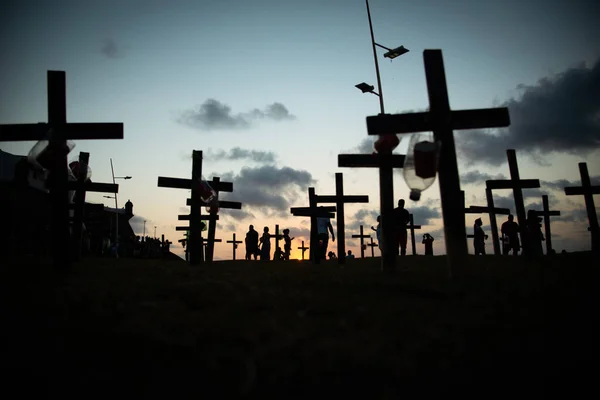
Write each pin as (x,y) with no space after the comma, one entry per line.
(546,214)
(234,245)
(517,185)
(303,248)
(588,191)
(362,238)
(372,245)
(59,131)
(492,212)
(340,200)
(442,121)
(412,227)
(385,163)
(313,212)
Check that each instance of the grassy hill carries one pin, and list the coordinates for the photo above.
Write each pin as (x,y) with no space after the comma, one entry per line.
(156,328)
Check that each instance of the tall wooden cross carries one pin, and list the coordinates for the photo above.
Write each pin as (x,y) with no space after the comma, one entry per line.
(386,164)
(234,244)
(492,212)
(362,238)
(442,121)
(218,187)
(547,213)
(195,248)
(372,245)
(412,227)
(313,212)
(588,191)
(303,248)
(61,131)
(81,187)
(517,185)
(340,199)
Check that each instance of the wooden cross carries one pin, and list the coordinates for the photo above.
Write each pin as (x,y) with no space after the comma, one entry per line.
(517,185)
(195,248)
(218,187)
(81,187)
(234,244)
(372,245)
(386,164)
(492,212)
(412,228)
(303,248)
(362,238)
(313,212)
(339,199)
(61,131)
(588,191)
(546,213)
(442,121)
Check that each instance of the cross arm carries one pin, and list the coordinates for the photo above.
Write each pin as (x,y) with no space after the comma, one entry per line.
(361,236)
(232,205)
(345,199)
(202,217)
(509,184)
(71,130)
(414,226)
(580,190)
(426,121)
(95,187)
(370,160)
(182,183)
(549,213)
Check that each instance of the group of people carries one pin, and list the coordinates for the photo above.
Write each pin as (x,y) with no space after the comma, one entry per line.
(510,236)
(261,246)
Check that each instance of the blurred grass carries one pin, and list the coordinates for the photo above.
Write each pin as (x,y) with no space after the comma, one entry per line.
(161,328)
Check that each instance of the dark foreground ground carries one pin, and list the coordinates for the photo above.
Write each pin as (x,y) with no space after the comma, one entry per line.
(152,328)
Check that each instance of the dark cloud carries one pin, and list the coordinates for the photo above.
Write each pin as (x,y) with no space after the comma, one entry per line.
(561,184)
(299,232)
(423,214)
(268,189)
(237,153)
(364,217)
(559,114)
(576,216)
(110,49)
(477,177)
(214,115)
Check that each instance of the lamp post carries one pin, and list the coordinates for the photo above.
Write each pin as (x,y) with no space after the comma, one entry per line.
(112,170)
(154,231)
(386,172)
(144,235)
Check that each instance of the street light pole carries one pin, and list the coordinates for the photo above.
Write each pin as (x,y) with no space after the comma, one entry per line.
(144,235)
(112,170)
(154,231)
(382,109)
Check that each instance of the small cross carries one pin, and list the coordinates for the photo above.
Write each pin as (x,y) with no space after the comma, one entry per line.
(492,212)
(372,245)
(442,121)
(517,185)
(412,228)
(546,214)
(234,244)
(588,191)
(362,238)
(303,248)
(340,199)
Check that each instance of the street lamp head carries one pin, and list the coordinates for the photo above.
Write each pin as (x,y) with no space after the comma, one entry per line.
(109,197)
(127,177)
(365,87)
(398,51)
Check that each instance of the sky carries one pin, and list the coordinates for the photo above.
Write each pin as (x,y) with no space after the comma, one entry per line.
(265,88)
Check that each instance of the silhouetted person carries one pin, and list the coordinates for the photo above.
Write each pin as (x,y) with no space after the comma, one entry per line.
(331,255)
(428,242)
(378,231)
(401,220)
(251,242)
(534,232)
(479,238)
(287,247)
(277,255)
(324,227)
(265,243)
(350,255)
(510,236)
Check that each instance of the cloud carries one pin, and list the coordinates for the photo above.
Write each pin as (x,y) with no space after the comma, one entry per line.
(423,214)
(269,189)
(110,49)
(237,153)
(214,115)
(364,217)
(477,177)
(559,114)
